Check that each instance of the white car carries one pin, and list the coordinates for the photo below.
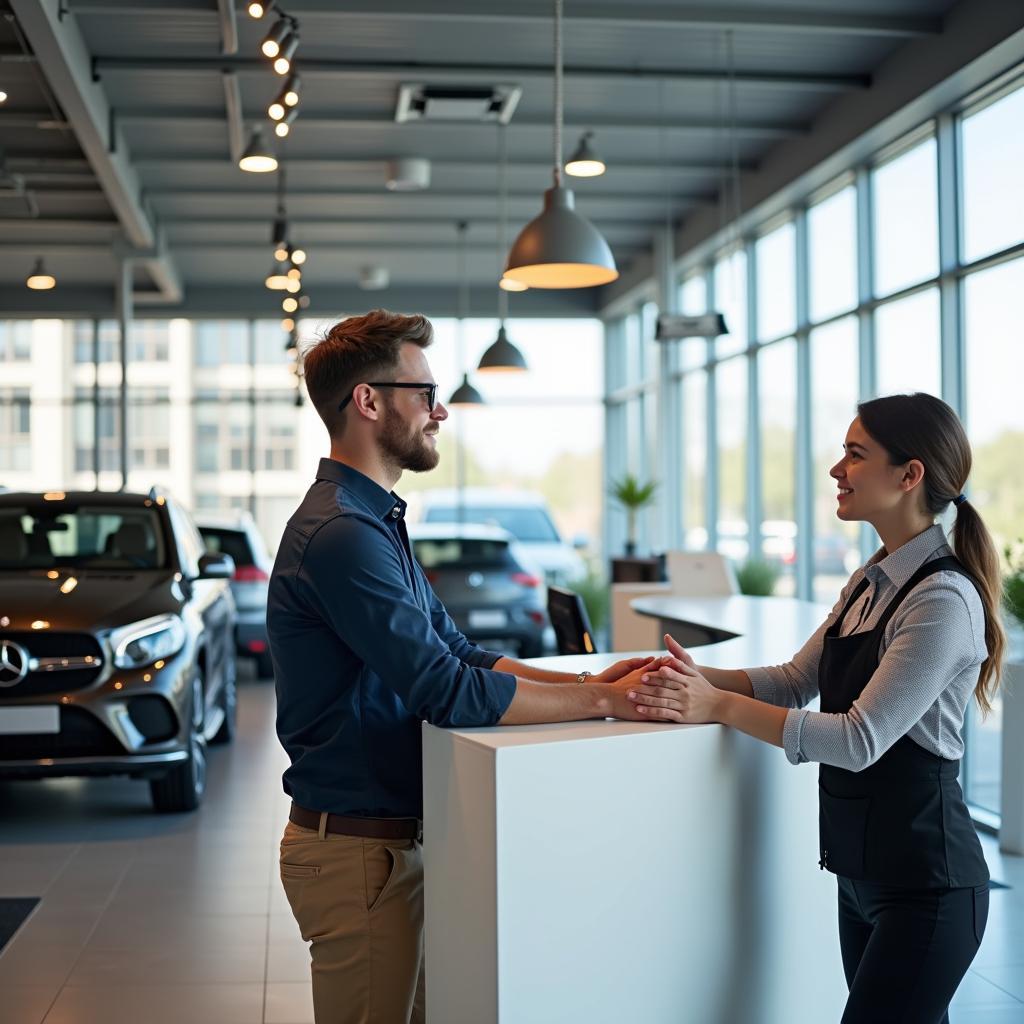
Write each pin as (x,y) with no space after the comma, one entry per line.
(522,514)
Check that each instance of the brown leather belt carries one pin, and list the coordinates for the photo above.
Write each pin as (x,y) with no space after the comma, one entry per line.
(367,828)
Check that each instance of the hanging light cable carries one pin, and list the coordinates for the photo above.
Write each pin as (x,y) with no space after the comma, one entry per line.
(505,283)
(502,356)
(560,248)
(465,393)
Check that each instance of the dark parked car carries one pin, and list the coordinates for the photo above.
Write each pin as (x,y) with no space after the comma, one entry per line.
(235,534)
(117,652)
(491,592)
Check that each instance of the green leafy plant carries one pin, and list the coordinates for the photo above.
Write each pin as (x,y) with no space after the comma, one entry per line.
(1013,581)
(757,578)
(632,496)
(593,588)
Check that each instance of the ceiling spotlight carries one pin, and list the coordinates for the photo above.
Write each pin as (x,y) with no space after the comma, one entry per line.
(281,252)
(271,45)
(510,284)
(298,256)
(294,273)
(277,279)
(39,280)
(290,93)
(260,7)
(294,285)
(275,111)
(283,126)
(289,45)
(257,158)
(585,163)
(3,96)
(288,324)
(290,304)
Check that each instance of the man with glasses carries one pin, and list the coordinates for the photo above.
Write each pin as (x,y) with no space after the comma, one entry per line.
(363,653)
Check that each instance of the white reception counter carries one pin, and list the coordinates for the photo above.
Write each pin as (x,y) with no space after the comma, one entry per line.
(616,872)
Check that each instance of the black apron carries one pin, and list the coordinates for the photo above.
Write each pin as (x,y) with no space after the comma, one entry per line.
(902,820)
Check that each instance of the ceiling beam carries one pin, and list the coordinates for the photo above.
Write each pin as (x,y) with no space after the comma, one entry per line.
(526,12)
(454,71)
(176,162)
(756,129)
(54,37)
(584,195)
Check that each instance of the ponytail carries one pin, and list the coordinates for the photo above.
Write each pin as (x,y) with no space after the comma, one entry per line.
(974,548)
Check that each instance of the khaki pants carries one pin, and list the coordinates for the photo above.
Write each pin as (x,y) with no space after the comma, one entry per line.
(359,903)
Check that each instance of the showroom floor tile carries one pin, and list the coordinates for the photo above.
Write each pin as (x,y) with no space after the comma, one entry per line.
(165,919)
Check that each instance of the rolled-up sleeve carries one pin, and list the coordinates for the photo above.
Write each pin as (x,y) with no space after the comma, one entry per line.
(932,644)
(355,576)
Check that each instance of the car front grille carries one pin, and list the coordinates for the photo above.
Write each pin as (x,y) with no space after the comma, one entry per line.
(81,735)
(55,645)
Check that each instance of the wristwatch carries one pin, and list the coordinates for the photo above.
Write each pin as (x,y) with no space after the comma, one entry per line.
(583,677)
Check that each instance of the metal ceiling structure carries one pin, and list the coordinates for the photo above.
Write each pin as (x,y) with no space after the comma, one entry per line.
(125,119)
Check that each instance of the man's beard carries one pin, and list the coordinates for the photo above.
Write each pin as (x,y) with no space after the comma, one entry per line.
(406,447)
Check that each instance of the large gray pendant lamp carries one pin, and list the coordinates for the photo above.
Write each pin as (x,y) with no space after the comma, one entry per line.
(502,356)
(465,393)
(560,248)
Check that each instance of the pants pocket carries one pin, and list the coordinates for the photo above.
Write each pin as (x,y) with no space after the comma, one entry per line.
(380,865)
(299,872)
(842,831)
(980,911)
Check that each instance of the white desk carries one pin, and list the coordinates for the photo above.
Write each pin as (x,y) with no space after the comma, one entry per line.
(610,871)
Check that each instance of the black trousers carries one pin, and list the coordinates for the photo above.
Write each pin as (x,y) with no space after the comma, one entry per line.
(905,951)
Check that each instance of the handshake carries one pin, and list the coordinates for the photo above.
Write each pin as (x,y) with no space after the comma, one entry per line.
(665,688)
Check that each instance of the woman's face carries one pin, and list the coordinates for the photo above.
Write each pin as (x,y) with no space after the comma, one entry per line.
(868,486)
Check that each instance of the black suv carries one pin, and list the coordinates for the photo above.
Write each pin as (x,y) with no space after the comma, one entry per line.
(117,651)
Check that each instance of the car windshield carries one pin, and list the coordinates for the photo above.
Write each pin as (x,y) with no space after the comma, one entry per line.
(461,553)
(529,525)
(89,537)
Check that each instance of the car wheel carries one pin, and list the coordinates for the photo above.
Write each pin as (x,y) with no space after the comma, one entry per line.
(182,788)
(264,666)
(228,702)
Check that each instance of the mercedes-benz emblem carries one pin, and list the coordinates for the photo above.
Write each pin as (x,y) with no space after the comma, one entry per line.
(13,663)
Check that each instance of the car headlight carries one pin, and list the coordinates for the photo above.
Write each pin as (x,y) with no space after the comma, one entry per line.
(142,643)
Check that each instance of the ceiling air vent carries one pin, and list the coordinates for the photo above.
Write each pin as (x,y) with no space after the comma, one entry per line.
(473,103)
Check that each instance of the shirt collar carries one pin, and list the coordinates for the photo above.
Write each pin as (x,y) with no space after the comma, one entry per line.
(383,504)
(902,563)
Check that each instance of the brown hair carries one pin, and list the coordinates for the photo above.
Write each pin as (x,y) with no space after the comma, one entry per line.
(354,351)
(925,428)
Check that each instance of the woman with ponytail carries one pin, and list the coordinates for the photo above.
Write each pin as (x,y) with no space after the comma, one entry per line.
(914,636)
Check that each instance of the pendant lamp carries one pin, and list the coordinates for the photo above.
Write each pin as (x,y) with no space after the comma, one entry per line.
(502,356)
(465,393)
(585,163)
(560,248)
(257,158)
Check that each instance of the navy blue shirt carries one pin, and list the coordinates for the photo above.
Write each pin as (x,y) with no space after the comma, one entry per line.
(364,652)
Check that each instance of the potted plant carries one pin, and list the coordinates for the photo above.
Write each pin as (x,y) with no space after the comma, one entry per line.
(632,496)
(1013,583)
(757,578)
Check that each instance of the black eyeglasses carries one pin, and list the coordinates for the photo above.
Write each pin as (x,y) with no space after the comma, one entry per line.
(428,389)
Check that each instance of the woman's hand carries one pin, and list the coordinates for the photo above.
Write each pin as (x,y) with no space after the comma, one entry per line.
(615,672)
(676,692)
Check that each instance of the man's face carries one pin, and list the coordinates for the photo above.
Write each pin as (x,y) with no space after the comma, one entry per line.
(408,429)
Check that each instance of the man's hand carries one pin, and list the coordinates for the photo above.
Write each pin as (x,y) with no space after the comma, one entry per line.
(624,667)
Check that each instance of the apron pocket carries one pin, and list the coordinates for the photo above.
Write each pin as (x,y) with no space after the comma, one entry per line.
(842,831)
